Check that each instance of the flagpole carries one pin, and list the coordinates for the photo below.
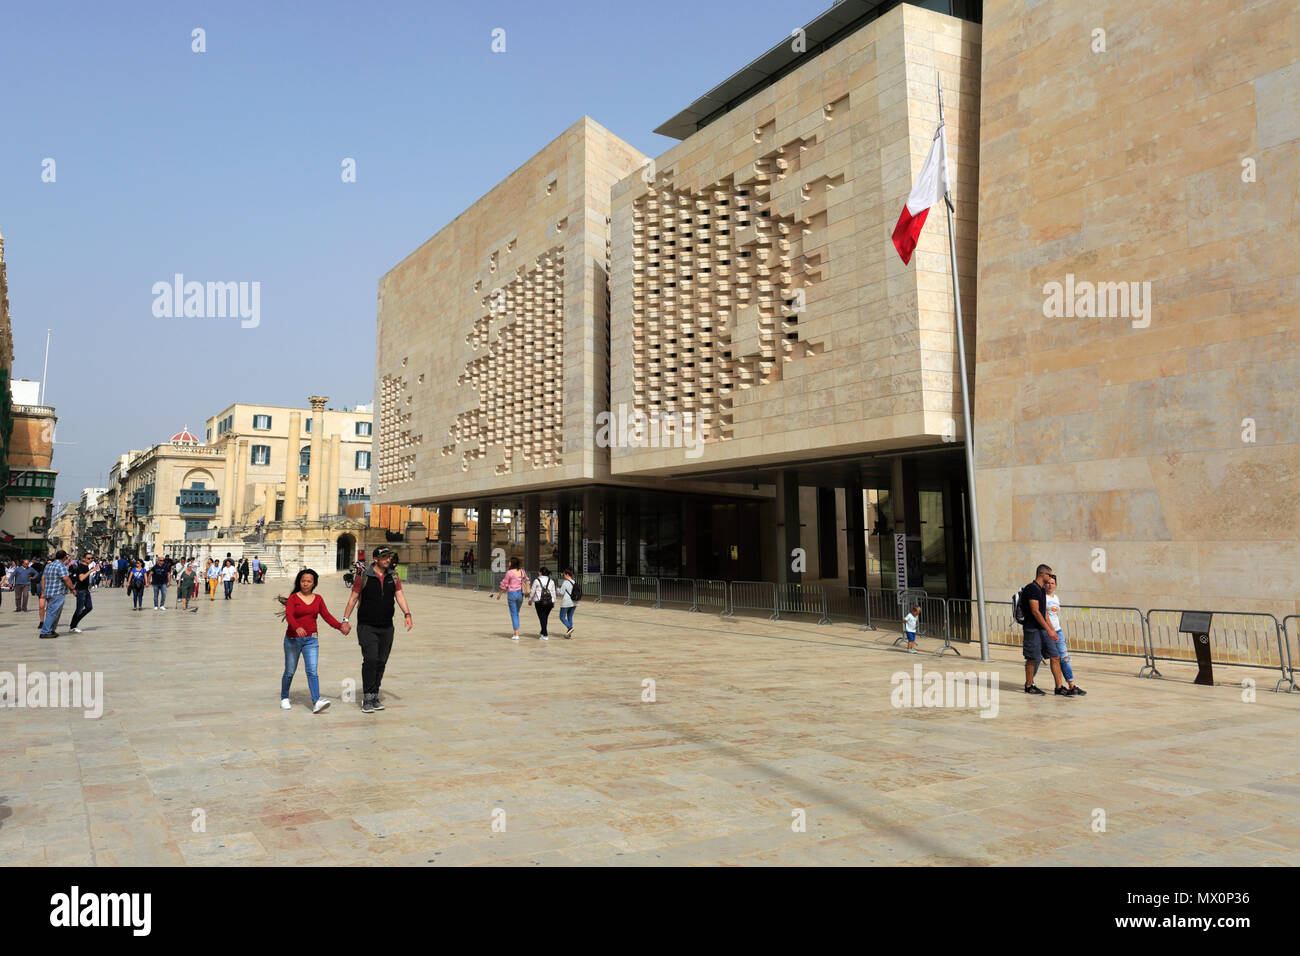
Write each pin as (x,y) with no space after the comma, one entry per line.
(965,406)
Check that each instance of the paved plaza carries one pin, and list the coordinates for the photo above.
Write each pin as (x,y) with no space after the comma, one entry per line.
(537,754)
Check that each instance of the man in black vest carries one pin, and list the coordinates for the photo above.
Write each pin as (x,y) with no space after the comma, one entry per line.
(377,590)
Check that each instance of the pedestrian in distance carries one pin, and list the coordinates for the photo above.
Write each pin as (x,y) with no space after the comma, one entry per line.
(542,598)
(213,574)
(228,572)
(135,582)
(159,578)
(374,594)
(512,586)
(910,621)
(301,608)
(187,585)
(1039,641)
(570,595)
(82,577)
(22,579)
(55,585)
(1054,618)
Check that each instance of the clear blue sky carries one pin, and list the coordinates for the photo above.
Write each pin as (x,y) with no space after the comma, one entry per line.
(225,166)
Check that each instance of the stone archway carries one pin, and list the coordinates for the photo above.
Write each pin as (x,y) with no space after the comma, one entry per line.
(347,551)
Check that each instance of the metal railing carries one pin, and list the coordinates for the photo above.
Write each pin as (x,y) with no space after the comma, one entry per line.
(613,588)
(678,591)
(752,596)
(642,590)
(1291,638)
(847,604)
(799,598)
(1236,639)
(1104,629)
(886,606)
(711,596)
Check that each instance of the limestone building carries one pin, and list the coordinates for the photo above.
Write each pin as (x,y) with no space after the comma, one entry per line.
(768,375)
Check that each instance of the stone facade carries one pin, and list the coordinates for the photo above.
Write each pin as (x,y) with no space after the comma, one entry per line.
(492,352)
(753,287)
(1166,444)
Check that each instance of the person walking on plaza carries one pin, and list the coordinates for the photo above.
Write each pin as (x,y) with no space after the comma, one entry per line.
(159,578)
(1039,637)
(82,576)
(22,578)
(213,574)
(186,584)
(512,586)
(373,594)
(256,569)
(55,585)
(119,572)
(910,620)
(243,570)
(228,572)
(135,581)
(568,601)
(301,609)
(1054,618)
(542,598)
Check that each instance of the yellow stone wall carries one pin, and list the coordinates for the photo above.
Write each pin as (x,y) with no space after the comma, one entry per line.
(795,192)
(1133,164)
(490,360)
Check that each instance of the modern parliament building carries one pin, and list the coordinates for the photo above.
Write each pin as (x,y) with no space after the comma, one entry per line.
(708,359)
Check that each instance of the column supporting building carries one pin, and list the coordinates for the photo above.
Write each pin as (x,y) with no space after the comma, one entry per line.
(787,525)
(315,466)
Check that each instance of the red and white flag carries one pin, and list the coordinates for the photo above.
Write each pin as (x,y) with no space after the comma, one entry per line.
(927,191)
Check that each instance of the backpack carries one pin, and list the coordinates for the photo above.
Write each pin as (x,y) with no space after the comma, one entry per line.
(575,592)
(1018,612)
(544,599)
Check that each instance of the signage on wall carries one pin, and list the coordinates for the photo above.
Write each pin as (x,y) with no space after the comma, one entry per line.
(900,566)
(591,556)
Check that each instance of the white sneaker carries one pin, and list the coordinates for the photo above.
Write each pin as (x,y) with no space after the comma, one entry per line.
(155,607)
(162,607)
(514,637)
(544,637)
(321,704)
(284,703)
(76,630)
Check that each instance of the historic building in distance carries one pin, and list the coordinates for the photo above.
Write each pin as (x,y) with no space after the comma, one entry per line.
(713,364)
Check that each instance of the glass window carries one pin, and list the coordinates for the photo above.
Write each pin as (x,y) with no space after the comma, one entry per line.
(304,461)
(363,461)
(306,424)
(262,422)
(261,455)
(363,428)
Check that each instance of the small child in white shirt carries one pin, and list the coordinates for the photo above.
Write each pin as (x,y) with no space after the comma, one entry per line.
(909,625)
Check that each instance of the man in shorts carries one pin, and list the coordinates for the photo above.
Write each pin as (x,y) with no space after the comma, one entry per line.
(1040,640)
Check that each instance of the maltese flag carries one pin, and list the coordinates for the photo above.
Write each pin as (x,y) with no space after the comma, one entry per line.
(930,187)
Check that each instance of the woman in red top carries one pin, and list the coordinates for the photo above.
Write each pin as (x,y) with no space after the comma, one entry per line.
(301,609)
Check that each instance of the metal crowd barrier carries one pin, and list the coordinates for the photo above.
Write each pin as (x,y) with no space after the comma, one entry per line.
(711,596)
(1237,639)
(1291,637)
(591,587)
(753,596)
(678,591)
(613,587)
(799,598)
(643,590)
(847,604)
(1105,629)
(885,605)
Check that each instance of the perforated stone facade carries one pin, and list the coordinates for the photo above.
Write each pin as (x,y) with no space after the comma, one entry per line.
(492,352)
(753,281)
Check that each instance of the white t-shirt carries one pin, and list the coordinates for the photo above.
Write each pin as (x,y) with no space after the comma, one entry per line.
(909,623)
(228,573)
(1054,611)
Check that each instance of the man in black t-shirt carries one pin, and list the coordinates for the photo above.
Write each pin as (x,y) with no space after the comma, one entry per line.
(374,593)
(80,574)
(1040,641)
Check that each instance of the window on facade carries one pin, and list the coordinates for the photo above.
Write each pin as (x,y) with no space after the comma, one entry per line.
(261,455)
(363,461)
(262,422)
(304,461)
(306,424)
(363,428)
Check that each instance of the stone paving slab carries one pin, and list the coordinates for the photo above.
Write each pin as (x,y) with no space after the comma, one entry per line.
(755,727)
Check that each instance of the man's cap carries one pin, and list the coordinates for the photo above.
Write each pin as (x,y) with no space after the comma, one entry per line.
(384,553)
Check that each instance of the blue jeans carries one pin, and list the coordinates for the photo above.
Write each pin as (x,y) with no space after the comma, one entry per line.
(566,616)
(516,600)
(1066,670)
(160,595)
(309,650)
(53,608)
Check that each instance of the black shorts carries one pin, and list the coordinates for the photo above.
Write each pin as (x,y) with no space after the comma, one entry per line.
(1038,646)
